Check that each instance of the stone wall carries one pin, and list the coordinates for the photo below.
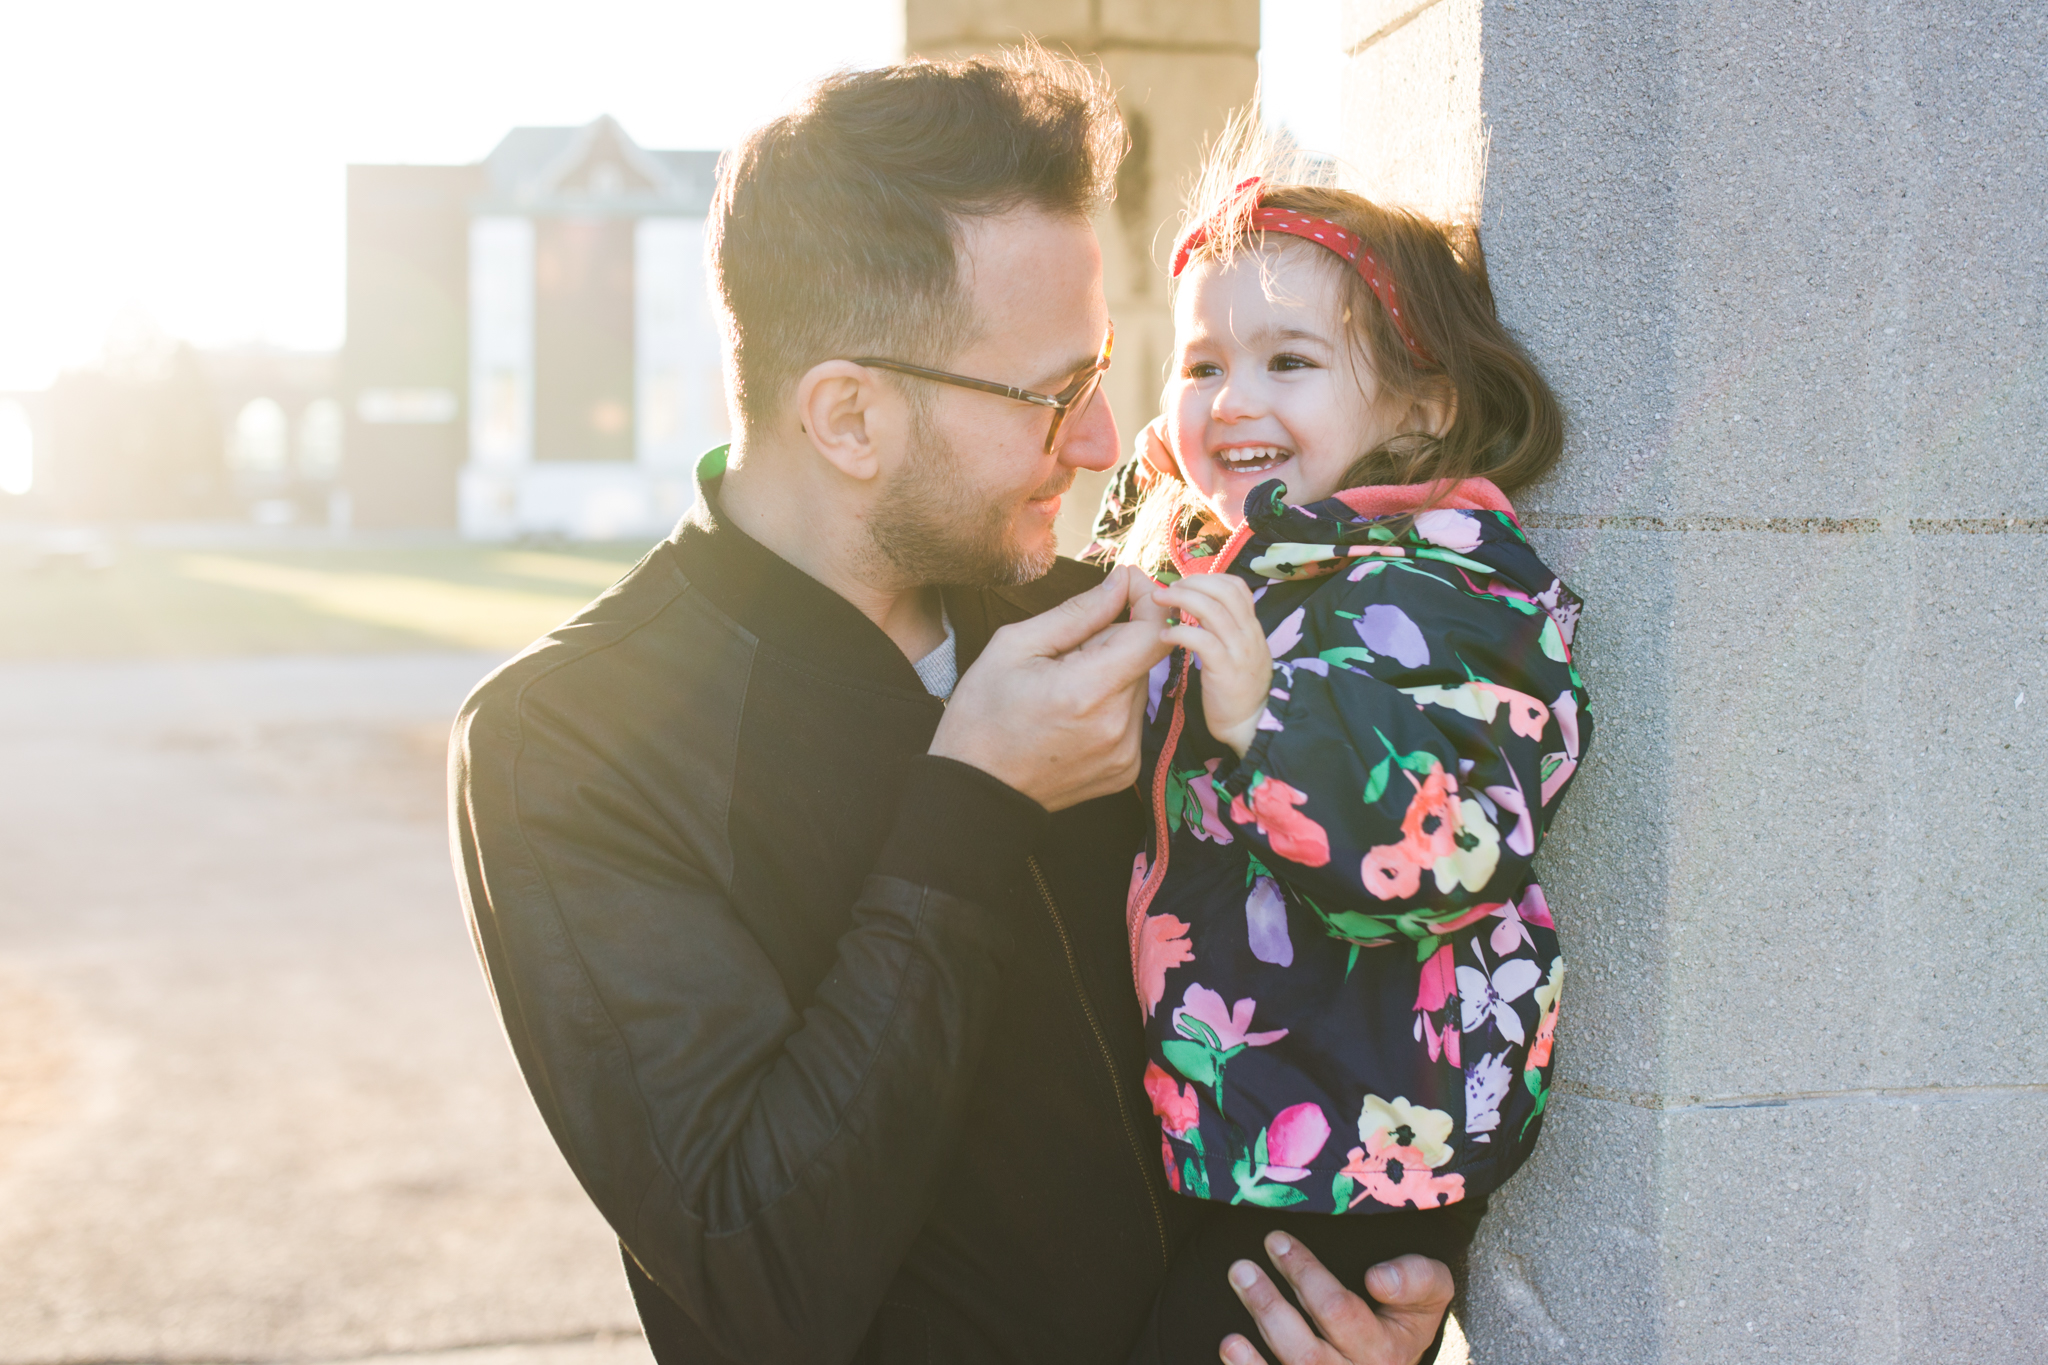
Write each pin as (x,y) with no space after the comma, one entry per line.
(1784,263)
(1179,68)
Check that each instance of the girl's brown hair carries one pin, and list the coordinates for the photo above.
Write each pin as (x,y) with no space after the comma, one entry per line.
(1505,423)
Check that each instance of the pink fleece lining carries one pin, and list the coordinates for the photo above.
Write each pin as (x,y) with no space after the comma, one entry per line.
(1392,499)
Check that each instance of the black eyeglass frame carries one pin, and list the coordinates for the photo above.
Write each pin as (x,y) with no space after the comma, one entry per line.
(1074,398)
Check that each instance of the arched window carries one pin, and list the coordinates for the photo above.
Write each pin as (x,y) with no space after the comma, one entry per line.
(320,440)
(17,449)
(261,440)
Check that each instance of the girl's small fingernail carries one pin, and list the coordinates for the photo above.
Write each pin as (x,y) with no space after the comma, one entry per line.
(1278,1244)
(1244,1275)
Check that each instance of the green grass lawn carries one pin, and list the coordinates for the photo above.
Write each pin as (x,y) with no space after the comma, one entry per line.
(240,600)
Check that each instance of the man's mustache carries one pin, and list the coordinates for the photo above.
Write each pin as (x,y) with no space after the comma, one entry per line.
(1054,487)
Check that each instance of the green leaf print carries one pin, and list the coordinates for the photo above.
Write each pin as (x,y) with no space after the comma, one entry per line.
(1195,1178)
(1194,1030)
(1376,781)
(1342,655)
(1552,645)
(1340,1193)
(1191,1060)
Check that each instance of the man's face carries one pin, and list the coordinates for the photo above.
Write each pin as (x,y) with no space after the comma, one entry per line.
(974,495)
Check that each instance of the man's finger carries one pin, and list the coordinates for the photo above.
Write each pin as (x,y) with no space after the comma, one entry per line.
(1119,656)
(1237,1351)
(1339,1313)
(1414,1292)
(1283,1328)
(1074,621)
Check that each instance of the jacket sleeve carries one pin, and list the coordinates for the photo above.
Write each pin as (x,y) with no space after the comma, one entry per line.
(768,1160)
(1417,733)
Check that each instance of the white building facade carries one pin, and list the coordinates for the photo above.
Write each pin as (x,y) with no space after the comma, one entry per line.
(594,378)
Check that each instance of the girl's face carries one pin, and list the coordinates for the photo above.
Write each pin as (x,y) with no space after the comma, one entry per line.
(1267,383)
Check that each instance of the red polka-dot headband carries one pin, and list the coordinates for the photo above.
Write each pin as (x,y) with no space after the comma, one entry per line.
(1319,230)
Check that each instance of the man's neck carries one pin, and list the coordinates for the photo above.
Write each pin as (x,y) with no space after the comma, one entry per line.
(819,530)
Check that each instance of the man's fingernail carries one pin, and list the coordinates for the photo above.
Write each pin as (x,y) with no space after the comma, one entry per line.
(1244,1275)
(1390,1279)
(1278,1244)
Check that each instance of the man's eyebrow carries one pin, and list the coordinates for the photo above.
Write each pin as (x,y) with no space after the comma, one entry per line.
(1057,379)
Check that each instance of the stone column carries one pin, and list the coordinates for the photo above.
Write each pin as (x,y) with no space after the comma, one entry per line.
(1784,264)
(1179,68)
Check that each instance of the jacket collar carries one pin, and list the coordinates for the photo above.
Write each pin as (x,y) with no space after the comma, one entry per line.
(779,604)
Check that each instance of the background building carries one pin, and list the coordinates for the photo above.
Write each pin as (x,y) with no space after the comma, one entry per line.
(531,350)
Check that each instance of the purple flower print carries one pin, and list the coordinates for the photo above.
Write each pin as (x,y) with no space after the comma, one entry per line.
(1287,634)
(1265,922)
(1452,530)
(1486,1085)
(1386,629)
(1482,997)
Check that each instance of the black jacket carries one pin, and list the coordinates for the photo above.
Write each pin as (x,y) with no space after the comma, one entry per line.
(837,1035)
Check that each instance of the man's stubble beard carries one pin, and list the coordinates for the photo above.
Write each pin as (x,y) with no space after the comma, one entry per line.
(927,528)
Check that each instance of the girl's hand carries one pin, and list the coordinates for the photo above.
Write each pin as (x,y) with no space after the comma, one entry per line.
(1219,626)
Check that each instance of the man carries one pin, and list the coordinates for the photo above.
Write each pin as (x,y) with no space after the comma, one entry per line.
(819,981)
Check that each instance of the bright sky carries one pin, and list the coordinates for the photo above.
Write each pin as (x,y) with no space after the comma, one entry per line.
(178,164)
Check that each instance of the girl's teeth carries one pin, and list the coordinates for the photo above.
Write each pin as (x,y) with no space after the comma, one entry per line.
(1252,459)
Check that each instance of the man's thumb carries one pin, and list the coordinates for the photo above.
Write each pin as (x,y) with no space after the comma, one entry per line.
(1413,1292)
(1076,620)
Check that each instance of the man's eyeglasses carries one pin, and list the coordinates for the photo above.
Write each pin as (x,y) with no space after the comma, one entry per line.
(1072,401)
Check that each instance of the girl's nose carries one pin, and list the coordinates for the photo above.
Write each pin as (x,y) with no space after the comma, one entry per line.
(1238,399)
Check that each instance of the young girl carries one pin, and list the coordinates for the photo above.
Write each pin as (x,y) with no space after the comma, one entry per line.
(1348,973)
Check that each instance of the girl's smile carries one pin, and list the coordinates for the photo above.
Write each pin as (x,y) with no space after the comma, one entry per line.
(1267,383)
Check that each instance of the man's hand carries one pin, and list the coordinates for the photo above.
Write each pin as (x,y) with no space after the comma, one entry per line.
(1054,705)
(1414,1292)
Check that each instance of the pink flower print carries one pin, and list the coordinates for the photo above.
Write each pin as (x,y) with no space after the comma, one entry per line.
(1396,1176)
(1172,1171)
(1386,629)
(1204,1010)
(1486,1085)
(1451,529)
(1522,838)
(1293,835)
(1297,1134)
(1265,922)
(1430,826)
(1535,908)
(1510,933)
(1441,1044)
(1211,826)
(1162,946)
(1176,1108)
(1566,709)
(1389,873)
(1483,998)
(1559,775)
(1438,980)
(1287,634)
(1526,715)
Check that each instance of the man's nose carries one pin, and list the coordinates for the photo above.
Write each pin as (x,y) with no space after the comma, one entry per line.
(1091,442)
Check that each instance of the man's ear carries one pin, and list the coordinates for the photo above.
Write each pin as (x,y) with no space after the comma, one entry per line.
(849,418)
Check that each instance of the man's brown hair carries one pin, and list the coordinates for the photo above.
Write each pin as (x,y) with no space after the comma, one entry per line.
(834,228)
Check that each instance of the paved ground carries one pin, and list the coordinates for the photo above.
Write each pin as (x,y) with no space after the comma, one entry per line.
(253,1102)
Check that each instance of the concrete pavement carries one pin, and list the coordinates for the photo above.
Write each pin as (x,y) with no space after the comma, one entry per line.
(254,1105)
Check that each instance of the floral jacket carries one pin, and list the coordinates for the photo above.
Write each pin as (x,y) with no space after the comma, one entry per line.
(1342,930)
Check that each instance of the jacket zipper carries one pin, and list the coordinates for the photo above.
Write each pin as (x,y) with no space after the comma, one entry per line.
(1123,1111)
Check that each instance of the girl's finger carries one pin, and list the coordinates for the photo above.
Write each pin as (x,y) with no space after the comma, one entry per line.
(1237,1351)
(1228,593)
(1214,612)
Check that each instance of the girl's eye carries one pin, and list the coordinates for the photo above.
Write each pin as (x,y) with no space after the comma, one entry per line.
(1290,361)
(1201,369)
